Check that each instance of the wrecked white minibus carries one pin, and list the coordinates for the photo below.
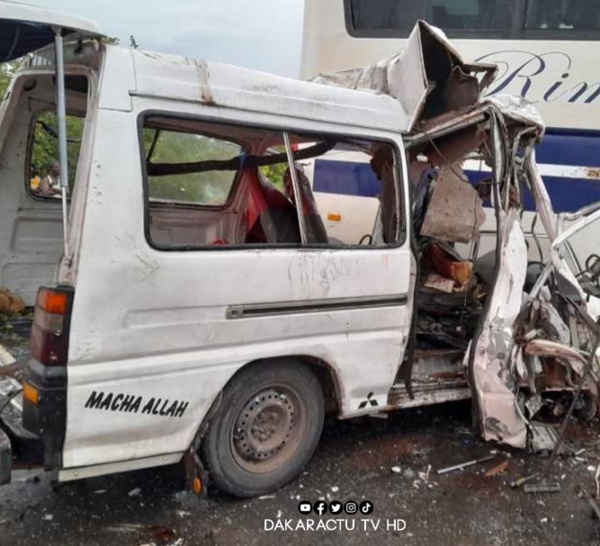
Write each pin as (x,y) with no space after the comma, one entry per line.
(190,304)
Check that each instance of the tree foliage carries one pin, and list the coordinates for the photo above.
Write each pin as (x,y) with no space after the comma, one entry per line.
(45,145)
(6,73)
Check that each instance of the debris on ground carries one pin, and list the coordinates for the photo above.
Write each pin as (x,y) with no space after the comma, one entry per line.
(409,473)
(520,481)
(498,469)
(465,465)
(10,304)
(135,492)
(542,487)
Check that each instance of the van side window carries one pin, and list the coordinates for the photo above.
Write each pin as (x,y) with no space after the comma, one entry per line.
(223,186)
(203,187)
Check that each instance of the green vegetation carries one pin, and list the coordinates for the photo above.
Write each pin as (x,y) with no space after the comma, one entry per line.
(45,145)
(6,72)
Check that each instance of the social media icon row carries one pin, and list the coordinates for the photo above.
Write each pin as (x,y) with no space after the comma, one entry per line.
(335,507)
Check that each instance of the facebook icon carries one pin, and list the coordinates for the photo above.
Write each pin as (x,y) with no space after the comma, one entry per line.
(320,507)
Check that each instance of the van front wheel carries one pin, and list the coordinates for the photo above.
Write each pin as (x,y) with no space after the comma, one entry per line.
(266,429)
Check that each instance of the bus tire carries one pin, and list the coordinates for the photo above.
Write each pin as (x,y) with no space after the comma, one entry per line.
(266,429)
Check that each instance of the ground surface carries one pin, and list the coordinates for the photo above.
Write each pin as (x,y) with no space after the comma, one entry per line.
(354,461)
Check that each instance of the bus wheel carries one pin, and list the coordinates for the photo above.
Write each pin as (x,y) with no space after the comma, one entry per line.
(266,429)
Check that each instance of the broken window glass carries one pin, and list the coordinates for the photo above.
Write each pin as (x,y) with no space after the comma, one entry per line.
(227,185)
(210,187)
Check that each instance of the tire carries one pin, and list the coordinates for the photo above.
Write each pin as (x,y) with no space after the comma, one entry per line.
(587,408)
(266,429)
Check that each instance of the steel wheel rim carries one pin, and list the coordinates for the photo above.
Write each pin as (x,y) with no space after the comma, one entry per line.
(268,428)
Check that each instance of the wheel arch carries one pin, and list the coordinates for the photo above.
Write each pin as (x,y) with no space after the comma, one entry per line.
(324,372)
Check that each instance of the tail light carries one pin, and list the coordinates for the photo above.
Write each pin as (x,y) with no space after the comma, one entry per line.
(51,321)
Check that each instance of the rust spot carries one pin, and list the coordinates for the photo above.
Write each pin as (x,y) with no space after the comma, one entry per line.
(593,172)
(203,80)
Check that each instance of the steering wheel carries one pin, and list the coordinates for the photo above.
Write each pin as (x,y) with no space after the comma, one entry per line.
(368,237)
(592,268)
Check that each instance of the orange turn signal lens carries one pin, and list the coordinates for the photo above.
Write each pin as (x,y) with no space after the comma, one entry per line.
(31,393)
(334,217)
(53,302)
(197,486)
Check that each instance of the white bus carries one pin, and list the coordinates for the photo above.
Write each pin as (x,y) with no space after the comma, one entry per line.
(546,51)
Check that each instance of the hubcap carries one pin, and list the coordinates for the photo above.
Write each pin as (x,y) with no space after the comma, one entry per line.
(265,424)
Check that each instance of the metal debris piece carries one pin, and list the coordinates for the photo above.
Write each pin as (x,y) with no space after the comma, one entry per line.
(543,437)
(520,481)
(396,470)
(591,500)
(135,492)
(542,487)
(464,465)
(455,212)
(498,469)
(6,359)
(534,404)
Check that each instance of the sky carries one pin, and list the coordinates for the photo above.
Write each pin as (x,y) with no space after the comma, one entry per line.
(259,34)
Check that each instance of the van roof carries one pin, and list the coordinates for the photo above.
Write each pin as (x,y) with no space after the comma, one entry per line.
(182,78)
(25,28)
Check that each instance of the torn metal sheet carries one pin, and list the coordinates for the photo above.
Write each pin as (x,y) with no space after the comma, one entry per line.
(428,77)
(520,110)
(545,348)
(455,212)
(499,417)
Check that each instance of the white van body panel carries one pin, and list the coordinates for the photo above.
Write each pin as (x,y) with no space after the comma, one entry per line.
(154,324)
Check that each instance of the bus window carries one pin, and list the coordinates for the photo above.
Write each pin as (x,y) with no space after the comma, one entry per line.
(373,18)
(386,14)
(563,15)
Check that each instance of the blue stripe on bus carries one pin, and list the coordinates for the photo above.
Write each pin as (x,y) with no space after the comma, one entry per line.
(574,149)
(566,194)
(346,178)
(579,148)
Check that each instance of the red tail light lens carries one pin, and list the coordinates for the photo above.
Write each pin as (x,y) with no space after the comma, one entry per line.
(50,330)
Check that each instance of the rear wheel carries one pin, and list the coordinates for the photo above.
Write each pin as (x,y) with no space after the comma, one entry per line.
(266,429)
